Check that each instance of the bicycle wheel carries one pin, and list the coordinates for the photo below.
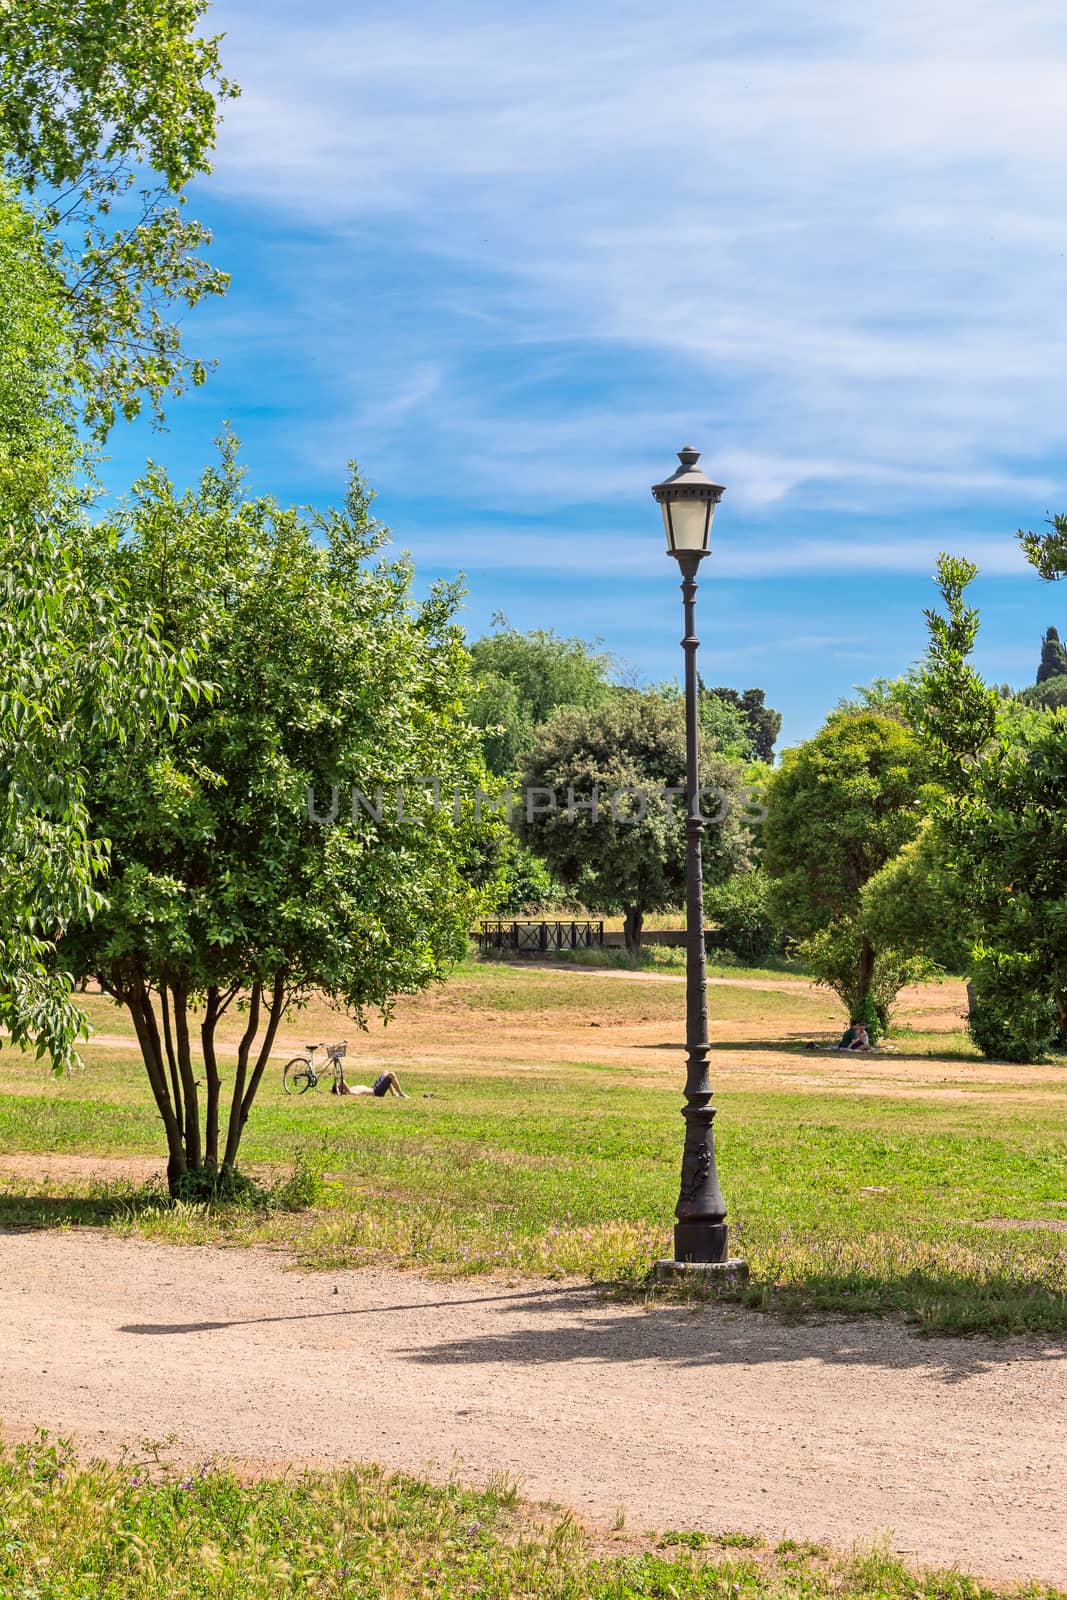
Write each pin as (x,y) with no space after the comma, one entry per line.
(298,1077)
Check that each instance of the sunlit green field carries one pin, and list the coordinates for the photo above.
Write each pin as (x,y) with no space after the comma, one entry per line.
(135,1532)
(542,1136)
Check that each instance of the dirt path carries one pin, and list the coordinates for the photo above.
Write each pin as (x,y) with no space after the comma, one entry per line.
(710,1419)
(626,974)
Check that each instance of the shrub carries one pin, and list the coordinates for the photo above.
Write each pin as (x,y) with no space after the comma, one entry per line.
(303,1188)
(1012,1017)
(745,925)
(226,1186)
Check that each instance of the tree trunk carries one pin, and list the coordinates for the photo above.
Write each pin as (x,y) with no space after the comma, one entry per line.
(865,975)
(632,928)
(211,1072)
(245,1088)
(171,1073)
(172,1059)
(274,1017)
(139,1003)
(185,1069)
(234,1125)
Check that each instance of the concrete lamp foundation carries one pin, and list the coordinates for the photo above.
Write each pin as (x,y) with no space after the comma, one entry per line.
(714,1275)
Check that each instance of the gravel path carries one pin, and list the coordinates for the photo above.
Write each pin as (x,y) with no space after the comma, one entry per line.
(707,1418)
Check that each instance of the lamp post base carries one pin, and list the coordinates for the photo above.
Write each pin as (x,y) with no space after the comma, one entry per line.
(701,1241)
(714,1275)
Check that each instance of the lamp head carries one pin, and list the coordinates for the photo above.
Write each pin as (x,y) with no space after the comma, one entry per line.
(688,499)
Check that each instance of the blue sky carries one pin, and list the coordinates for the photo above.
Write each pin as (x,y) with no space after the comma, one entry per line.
(512,258)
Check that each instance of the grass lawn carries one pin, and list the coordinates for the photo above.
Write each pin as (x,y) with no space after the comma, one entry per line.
(136,1532)
(542,1136)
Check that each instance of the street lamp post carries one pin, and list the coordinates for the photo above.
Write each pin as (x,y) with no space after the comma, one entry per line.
(688,499)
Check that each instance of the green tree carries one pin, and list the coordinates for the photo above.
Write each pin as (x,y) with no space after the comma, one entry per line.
(723,723)
(839,807)
(79,672)
(243,873)
(1047,552)
(1001,831)
(1049,690)
(522,678)
(108,111)
(740,910)
(763,723)
(1053,663)
(953,711)
(888,697)
(526,886)
(1048,696)
(38,442)
(629,854)
(916,904)
(78,668)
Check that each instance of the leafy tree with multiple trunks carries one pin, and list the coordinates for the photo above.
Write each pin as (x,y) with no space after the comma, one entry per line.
(78,668)
(630,858)
(229,890)
(108,110)
(95,98)
(839,808)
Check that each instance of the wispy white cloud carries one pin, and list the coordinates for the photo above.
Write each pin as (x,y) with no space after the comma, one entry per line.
(842,232)
(533,549)
(602,456)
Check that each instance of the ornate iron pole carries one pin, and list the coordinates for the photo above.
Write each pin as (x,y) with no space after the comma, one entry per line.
(687,500)
(700,1231)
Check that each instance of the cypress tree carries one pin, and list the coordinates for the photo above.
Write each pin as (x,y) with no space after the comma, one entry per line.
(1053,657)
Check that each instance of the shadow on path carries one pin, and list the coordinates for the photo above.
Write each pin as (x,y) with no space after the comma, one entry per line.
(711,1336)
(565,1295)
(571,1323)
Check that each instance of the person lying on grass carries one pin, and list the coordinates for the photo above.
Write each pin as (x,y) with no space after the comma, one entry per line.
(385,1083)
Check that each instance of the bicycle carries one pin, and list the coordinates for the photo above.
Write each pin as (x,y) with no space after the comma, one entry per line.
(301,1074)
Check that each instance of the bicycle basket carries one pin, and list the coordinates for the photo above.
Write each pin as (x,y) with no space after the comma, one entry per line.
(336,1051)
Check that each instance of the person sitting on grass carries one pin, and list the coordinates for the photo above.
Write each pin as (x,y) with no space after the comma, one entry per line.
(855,1037)
(385,1083)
